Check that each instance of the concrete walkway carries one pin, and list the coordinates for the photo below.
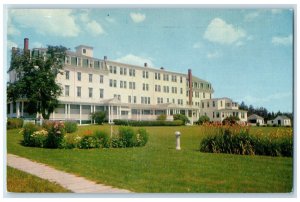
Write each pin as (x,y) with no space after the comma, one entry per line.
(69,181)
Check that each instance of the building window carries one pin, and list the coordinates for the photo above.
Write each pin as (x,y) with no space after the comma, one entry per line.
(115,83)
(67,90)
(131,72)
(145,75)
(157,76)
(84,51)
(110,83)
(129,99)
(90,78)
(181,79)
(78,91)
(101,93)
(166,77)
(134,99)
(101,78)
(74,61)
(202,104)
(214,103)
(79,76)
(181,90)
(203,95)
(110,69)
(221,103)
(90,92)
(121,70)
(115,70)
(85,62)
(67,75)
(121,84)
(242,115)
(207,104)
(218,115)
(125,71)
(174,78)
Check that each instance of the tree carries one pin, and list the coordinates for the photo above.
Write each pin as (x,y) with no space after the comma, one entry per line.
(243,106)
(203,119)
(98,117)
(181,117)
(230,120)
(36,79)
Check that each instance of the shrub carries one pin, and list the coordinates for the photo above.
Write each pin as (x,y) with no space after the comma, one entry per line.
(88,142)
(70,126)
(237,140)
(98,117)
(116,142)
(28,131)
(14,123)
(231,120)
(141,137)
(103,138)
(203,119)
(70,141)
(127,136)
(56,131)
(39,138)
(161,117)
(181,117)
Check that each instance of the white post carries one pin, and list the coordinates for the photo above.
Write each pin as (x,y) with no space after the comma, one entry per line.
(80,114)
(108,114)
(18,109)
(177,135)
(66,111)
(69,110)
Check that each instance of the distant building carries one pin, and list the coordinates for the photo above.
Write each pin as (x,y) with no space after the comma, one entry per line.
(280,121)
(127,91)
(256,120)
(218,109)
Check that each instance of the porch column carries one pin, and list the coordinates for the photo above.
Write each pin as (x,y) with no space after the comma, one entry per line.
(92,112)
(109,121)
(80,114)
(53,115)
(11,109)
(22,111)
(69,111)
(66,111)
(18,109)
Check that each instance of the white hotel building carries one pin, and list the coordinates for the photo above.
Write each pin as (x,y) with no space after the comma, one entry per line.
(128,91)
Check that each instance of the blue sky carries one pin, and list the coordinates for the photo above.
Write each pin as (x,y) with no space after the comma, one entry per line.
(247,54)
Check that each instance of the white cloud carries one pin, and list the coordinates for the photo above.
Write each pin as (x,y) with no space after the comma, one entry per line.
(57,22)
(251,16)
(285,41)
(137,17)
(11,44)
(221,32)
(12,30)
(212,55)
(198,45)
(94,28)
(135,60)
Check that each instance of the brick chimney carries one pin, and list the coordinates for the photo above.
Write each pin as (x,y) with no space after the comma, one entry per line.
(190,78)
(26,44)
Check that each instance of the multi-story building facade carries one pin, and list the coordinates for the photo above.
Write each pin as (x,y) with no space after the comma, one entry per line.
(125,91)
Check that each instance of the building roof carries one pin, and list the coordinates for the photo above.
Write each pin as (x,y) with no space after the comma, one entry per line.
(84,46)
(254,116)
(282,117)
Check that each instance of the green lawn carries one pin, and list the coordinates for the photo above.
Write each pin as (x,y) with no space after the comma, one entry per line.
(18,181)
(158,167)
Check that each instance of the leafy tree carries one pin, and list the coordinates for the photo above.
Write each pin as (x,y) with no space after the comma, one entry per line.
(161,117)
(181,117)
(98,117)
(36,79)
(230,120)
(203,119)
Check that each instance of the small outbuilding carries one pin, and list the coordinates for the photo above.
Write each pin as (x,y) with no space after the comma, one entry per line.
(280,121)
(256,120)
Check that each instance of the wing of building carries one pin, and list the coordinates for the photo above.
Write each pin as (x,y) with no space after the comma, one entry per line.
(128,91)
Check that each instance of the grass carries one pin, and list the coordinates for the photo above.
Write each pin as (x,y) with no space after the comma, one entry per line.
(159,168)
(18,181)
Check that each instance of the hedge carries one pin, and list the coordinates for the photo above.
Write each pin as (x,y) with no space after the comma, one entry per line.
(148,123)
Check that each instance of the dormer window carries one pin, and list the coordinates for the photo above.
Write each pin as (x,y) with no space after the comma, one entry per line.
(83,51)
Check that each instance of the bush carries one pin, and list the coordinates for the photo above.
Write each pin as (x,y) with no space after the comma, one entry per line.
(70,126)
(141,137)
(231,120)
(56,131)
(236,140)
(14,123)
(203,119)
(181,117)
(39,138)
(147,123)
(88,142)
(98,117)
(28,131)
(127,136)
(161,117)
(70,141)
(103,138)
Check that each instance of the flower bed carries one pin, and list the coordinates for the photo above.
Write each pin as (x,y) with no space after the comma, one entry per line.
(237,139)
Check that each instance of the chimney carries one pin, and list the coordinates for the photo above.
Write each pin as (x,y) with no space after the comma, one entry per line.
(105,58)
(162,68)
(190,78)
(26,44)
(145,64)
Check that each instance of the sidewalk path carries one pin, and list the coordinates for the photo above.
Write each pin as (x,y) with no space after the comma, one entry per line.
(69,181)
